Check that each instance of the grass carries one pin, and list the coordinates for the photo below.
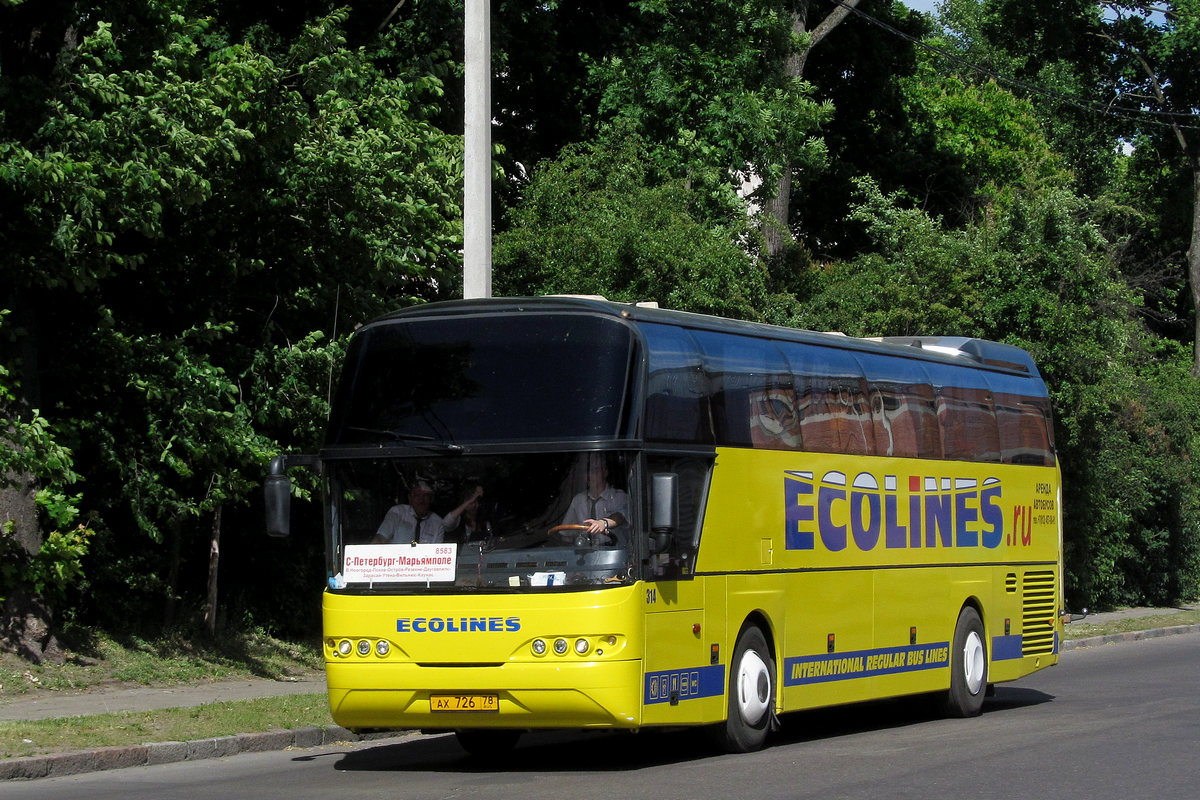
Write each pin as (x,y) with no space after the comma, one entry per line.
(96,660)
(101,661)
(170,725)
(1083,628)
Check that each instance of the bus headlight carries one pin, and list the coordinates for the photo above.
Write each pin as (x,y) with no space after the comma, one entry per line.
(382,647)
(539,647)
(581,646)
(560,647)
(344,647)
(364,647)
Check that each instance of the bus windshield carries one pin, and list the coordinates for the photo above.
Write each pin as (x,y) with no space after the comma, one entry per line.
(502,378)
(494,523)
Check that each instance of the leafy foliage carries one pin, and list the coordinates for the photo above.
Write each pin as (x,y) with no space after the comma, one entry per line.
(28,447)
(213,216)
(602,220)
(201,199)
(703,84)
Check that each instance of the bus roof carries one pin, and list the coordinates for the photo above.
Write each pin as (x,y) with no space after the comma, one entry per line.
(979,353)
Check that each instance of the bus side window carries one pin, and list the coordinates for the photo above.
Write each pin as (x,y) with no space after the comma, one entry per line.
(968,424)
(1024,430)
(829,400)
(678,561)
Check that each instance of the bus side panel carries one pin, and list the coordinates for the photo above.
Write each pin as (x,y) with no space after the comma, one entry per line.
(684,680)
(829,622)
(915,613)
(1025,632)
(867,549)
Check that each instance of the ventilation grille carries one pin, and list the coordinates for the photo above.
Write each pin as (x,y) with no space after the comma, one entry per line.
(1037,613)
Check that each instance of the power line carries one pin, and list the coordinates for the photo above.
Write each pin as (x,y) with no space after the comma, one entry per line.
(1120,112)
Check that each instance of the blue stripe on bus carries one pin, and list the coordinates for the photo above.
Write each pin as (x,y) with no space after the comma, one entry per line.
(803,670)
(1006,648)
(684,684)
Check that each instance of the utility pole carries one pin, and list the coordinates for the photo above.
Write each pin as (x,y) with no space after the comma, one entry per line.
(477,152)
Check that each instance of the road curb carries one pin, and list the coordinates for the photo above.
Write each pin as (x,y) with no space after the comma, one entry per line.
(55,765)
(1128,636)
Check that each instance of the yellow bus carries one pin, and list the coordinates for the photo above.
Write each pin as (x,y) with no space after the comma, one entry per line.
(632,517)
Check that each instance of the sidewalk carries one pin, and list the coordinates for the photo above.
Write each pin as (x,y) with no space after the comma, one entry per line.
(1129,636)
(84,704)
(48,705)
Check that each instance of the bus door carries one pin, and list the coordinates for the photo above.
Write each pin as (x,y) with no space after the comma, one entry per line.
(684,677)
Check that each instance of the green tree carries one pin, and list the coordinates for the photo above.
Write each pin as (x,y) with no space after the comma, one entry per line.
(604,219)
(1118,97)
(185,211)
(705,85)
(36,475)
(1154,50)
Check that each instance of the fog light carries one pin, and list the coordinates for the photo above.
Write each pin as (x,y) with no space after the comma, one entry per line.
(364,647)
(581,646)
(560,646)
(382,647)
(539,647)
(344,647)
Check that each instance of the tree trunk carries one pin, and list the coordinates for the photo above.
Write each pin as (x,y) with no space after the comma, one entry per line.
(214,560)
(26,624)
(779,207)
(1193,260)
(172,589)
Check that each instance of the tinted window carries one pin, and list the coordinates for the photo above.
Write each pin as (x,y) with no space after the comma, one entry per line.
(903,409)
(475,379)
(749,379)
(1024,424)
(831,403)
(677,394)
(712,387)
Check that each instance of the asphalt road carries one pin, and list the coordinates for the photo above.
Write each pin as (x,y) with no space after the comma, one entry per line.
(1114,722)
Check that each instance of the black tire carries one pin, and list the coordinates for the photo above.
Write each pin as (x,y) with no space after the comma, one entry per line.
(751,699)
(968,667)
(487,742)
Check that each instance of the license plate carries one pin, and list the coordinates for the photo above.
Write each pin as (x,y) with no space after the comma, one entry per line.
(464,702)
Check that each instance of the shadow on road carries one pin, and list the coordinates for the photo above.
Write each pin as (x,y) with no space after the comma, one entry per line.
(542,751)
(581,751)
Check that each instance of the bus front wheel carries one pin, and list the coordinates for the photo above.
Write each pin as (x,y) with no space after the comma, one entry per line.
(751,694)
(968,667)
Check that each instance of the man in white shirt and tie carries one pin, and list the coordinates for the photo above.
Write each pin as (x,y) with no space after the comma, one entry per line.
(415,521)
(599,507)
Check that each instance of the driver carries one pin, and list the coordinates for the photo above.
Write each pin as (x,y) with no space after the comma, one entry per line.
(599,507)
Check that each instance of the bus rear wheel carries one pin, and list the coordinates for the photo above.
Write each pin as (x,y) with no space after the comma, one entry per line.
(751,694)
(968,667)
(487,742)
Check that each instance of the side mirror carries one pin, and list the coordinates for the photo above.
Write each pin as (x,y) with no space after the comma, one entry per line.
(277,494)
(664,510)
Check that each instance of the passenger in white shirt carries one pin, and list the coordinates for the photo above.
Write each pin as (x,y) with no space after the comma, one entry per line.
(415,521)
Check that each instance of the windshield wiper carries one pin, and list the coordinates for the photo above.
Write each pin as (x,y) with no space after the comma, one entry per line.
(418,440)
